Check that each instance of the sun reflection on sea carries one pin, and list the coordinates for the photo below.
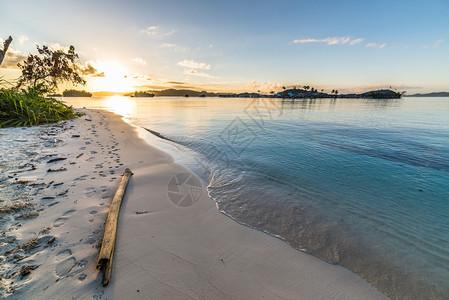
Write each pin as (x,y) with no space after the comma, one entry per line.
(123,106)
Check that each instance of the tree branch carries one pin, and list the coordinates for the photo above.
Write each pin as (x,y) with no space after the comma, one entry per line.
(5,48)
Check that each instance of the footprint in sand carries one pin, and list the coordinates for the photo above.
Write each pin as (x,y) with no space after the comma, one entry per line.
(63,254)
(61,221)
(82,277)
(81,178)
(65,265)
(89,192)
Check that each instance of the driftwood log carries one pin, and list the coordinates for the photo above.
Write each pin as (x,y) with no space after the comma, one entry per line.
(107,246)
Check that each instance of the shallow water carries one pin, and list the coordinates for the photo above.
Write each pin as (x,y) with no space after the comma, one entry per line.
(361,183)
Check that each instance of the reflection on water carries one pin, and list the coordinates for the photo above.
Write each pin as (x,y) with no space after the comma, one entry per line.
(361,183)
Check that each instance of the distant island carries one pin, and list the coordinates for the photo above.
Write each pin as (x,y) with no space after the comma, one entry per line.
(142,94)
(435,94)
(184,93)
(76,93)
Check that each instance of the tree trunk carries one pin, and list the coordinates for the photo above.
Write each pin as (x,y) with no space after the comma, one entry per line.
(5,48)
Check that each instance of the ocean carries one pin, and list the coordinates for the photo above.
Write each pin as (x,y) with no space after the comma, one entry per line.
(356,182)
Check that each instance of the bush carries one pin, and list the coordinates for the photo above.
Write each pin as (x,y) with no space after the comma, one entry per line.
(29,107)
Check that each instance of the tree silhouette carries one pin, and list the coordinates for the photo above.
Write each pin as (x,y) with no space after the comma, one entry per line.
(5,48)
(46,70)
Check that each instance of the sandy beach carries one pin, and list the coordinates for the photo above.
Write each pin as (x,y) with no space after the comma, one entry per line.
(172,242)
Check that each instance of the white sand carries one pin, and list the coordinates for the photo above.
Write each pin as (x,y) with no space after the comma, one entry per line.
(163,251)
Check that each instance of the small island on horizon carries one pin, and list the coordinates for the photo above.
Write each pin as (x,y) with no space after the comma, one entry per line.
(434,94)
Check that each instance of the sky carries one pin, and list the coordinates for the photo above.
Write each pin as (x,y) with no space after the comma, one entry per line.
(237,46)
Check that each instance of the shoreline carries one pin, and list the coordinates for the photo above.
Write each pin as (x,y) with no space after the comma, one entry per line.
(165,248)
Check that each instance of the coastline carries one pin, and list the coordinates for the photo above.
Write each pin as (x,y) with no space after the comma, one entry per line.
(163,250)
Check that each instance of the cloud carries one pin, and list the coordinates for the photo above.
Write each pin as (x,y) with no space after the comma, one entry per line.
(141,76)
(154,31)
(12,58)
(199,74)
(194,65)
(356,41)
(57,46)
(91,71)
(151,87)
(174,47)
(22,39)
(139,61)
(435,45)
(328,40)
(88,69)
(339,41)
(175,82)
(98,75)
(168,45)
(266,86)
(374,45)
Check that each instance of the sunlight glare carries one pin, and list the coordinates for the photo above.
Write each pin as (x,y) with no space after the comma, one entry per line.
(114,80)
(120,105)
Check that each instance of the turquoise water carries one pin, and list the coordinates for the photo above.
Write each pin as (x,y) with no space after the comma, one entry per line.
(360,183)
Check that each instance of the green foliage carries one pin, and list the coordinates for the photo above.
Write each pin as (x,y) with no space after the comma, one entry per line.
(76,93)
(49,68)
(28,107)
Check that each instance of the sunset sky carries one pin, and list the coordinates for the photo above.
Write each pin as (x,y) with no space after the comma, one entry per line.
(240,45)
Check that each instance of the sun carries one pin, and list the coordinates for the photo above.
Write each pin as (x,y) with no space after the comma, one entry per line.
(114,80)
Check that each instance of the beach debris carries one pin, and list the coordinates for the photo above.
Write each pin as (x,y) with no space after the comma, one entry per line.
(26,179)
(108,243)
(27,216)
(79,155)
(56,159)
(29,246)
(45,230)
(75,136)
(16,207)
(26,270)
(57,170)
